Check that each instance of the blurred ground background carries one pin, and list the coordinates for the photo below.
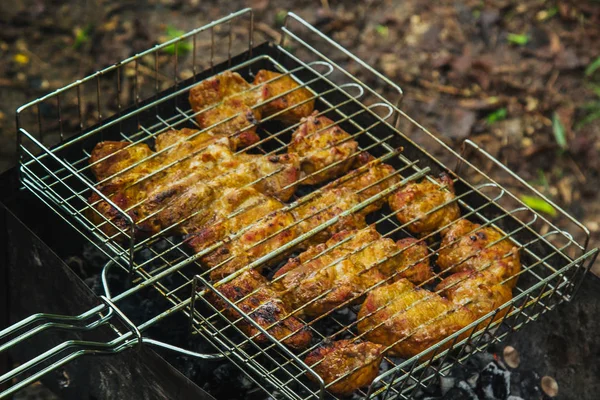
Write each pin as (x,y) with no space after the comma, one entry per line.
(522,78)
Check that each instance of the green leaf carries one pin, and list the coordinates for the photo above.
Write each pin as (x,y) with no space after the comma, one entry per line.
(592,67)
(517,39)
(542,179)
(280,17)
(547,14)
(592,105)
(551,12)
(497,115)
(182,46)
(538,204)
(588,118)
(82,36)
(559,132)
(594,88)
(289,48)
(382,30)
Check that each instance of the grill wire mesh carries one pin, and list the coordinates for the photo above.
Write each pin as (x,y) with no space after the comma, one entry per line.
(152,98)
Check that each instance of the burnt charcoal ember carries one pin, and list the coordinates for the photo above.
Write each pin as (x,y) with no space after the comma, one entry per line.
(432,386)
(461,391)
(228,376)
(526,384)
(329,326)
(494,382)
(93,257)
(469,370)
(447,383)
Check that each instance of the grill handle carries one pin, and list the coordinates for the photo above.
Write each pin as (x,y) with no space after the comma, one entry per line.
(106,314)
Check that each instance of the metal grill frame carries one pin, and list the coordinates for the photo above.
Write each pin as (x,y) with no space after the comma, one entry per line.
(564,265)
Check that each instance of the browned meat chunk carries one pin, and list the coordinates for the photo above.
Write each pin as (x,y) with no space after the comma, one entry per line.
(325,206)
(372,181)
(341,270)
(326,150)
(109,158)
(320,280)
(344,365)
(262,237)
(413,261)
(409,320)
(480,292)
(178,194)
(226,101)
(415,203)
(467,246)
(251,293)
(298,103)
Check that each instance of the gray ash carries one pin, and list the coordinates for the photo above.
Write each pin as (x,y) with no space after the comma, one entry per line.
(483,377)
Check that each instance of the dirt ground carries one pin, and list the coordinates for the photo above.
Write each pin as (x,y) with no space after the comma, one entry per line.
(517,77)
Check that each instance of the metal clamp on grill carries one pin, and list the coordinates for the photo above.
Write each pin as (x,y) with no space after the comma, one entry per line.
(273,199)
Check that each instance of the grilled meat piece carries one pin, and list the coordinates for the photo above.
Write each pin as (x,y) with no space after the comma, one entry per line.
(365,248)
(184,190)
(215,89)
(281,227)
(349,364)
(342,195)
(185,142)
(330,203)
(234,118)
(148,195)
(107,218)
(299,102)
(227,100)
(275,175)
(117,156)
(367,183)
(186,198)
(326,276)
(414,203)
(320,143)
(341,270)
(232,107)
(235,210)
(180,190)
(480,292)
(467,246)
(413,261)
(113,165)
(262,237)
(264,307)
(409,319)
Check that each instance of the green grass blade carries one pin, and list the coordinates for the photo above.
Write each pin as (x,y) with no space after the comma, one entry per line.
(594,65)
(559,132)
(538,204)
(497,115)
(517,39)
(589,118)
